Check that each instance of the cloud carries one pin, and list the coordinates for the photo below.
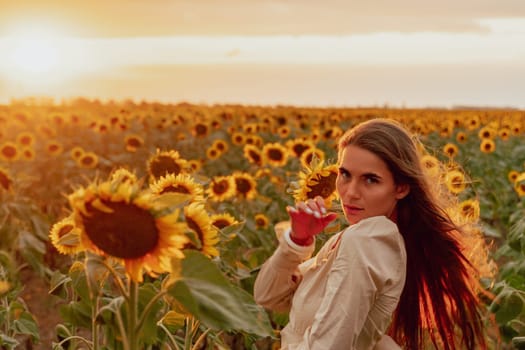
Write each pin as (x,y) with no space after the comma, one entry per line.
(270,17)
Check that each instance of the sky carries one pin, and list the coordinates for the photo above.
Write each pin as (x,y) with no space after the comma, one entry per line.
(343,53)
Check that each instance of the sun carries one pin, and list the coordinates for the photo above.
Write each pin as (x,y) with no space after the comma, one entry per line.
(35,54)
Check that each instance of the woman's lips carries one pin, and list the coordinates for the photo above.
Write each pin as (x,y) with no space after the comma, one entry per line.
(352,210)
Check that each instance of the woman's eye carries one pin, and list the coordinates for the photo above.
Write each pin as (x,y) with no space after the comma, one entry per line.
(372,180)
(343,173)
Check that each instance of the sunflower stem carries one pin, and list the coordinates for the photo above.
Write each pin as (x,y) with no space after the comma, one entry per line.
(147,309)
(132,315)
(171,338)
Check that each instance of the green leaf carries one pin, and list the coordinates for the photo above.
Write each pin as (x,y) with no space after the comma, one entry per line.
(510,308)
(8,342)
(212,299)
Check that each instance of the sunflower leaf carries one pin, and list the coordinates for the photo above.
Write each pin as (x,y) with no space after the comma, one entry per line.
(204,292)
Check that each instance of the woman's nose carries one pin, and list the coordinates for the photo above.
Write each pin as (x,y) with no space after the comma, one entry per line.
(351,190)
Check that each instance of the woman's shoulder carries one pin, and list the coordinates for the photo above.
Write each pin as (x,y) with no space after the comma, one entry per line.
(375,226)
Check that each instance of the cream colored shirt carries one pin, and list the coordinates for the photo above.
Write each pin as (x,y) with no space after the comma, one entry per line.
(344,297)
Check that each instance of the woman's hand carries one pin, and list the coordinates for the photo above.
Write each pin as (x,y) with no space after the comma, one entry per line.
(308,219)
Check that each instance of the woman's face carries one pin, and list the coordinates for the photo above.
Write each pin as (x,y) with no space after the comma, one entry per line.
(366,186)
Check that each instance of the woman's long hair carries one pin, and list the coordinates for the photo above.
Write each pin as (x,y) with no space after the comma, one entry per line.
(439,297)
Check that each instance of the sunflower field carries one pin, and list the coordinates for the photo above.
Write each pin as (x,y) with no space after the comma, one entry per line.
(147,222)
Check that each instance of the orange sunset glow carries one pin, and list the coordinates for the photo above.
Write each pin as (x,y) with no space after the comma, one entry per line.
(277,52)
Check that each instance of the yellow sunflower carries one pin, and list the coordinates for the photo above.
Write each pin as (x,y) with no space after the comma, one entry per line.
(145,244)
(519,185)
(122,175)
(213,153)
(238,138)
(25,138)
(133,142)
(88,160)
(222,220)
(245,185)
(504,133)
(317,180)
(76,152)
(180,183)
(253,154)
(298,146)
(65,236)
(166,162)
(9,151)
(221,188)
(274,154)
(5,179)
(461,137)
(283,131)
(451,150)
(253,140)
(200,223)
(469,209)
(473,122)
(487,145)
(194,165)
(261,221)
(513,175)
(455,181)
(220,145)
(431,165)
(309,155)
(200,130)
(54,148)
(487,132)
(28,153)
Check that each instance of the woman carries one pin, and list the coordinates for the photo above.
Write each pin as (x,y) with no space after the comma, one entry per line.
(393,277)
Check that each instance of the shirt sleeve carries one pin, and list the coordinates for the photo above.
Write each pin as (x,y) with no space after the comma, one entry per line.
(367,261)
(279,276)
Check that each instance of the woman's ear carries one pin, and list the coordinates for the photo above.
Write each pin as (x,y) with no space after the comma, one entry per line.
(402,191)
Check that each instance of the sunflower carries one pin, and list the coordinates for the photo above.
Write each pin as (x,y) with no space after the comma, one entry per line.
(65,236)
(194,165)
(513,175)
(133,142)
(222,220)
(317,180)
(9,151)
(200,223)
(473,122)
(121,175)
(200,130)
(261,221)
(28,153)
(245,185)
(461,137)
(519,185)
(5,179)
(275,154)
(487,145)
(310,154)
(88,160)
(166,162)
(76,152)
(451,150)
(250,128)
(146,243)
(25,139)
(504,133)
(253,154)
(54,148)
(220,145)
(455,181)
(431,165)
(238,138)
(213,153)
(283,131)
(253,140)
(469,209)
(221,188)
(298,146)
(180,183)
(486,132)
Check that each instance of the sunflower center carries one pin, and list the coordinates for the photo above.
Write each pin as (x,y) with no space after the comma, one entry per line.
(256,157)
(275,154)
(220,187)
(221,223)
(299,149)
(128,232)
(324,188)
(243,185)
(165,165)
